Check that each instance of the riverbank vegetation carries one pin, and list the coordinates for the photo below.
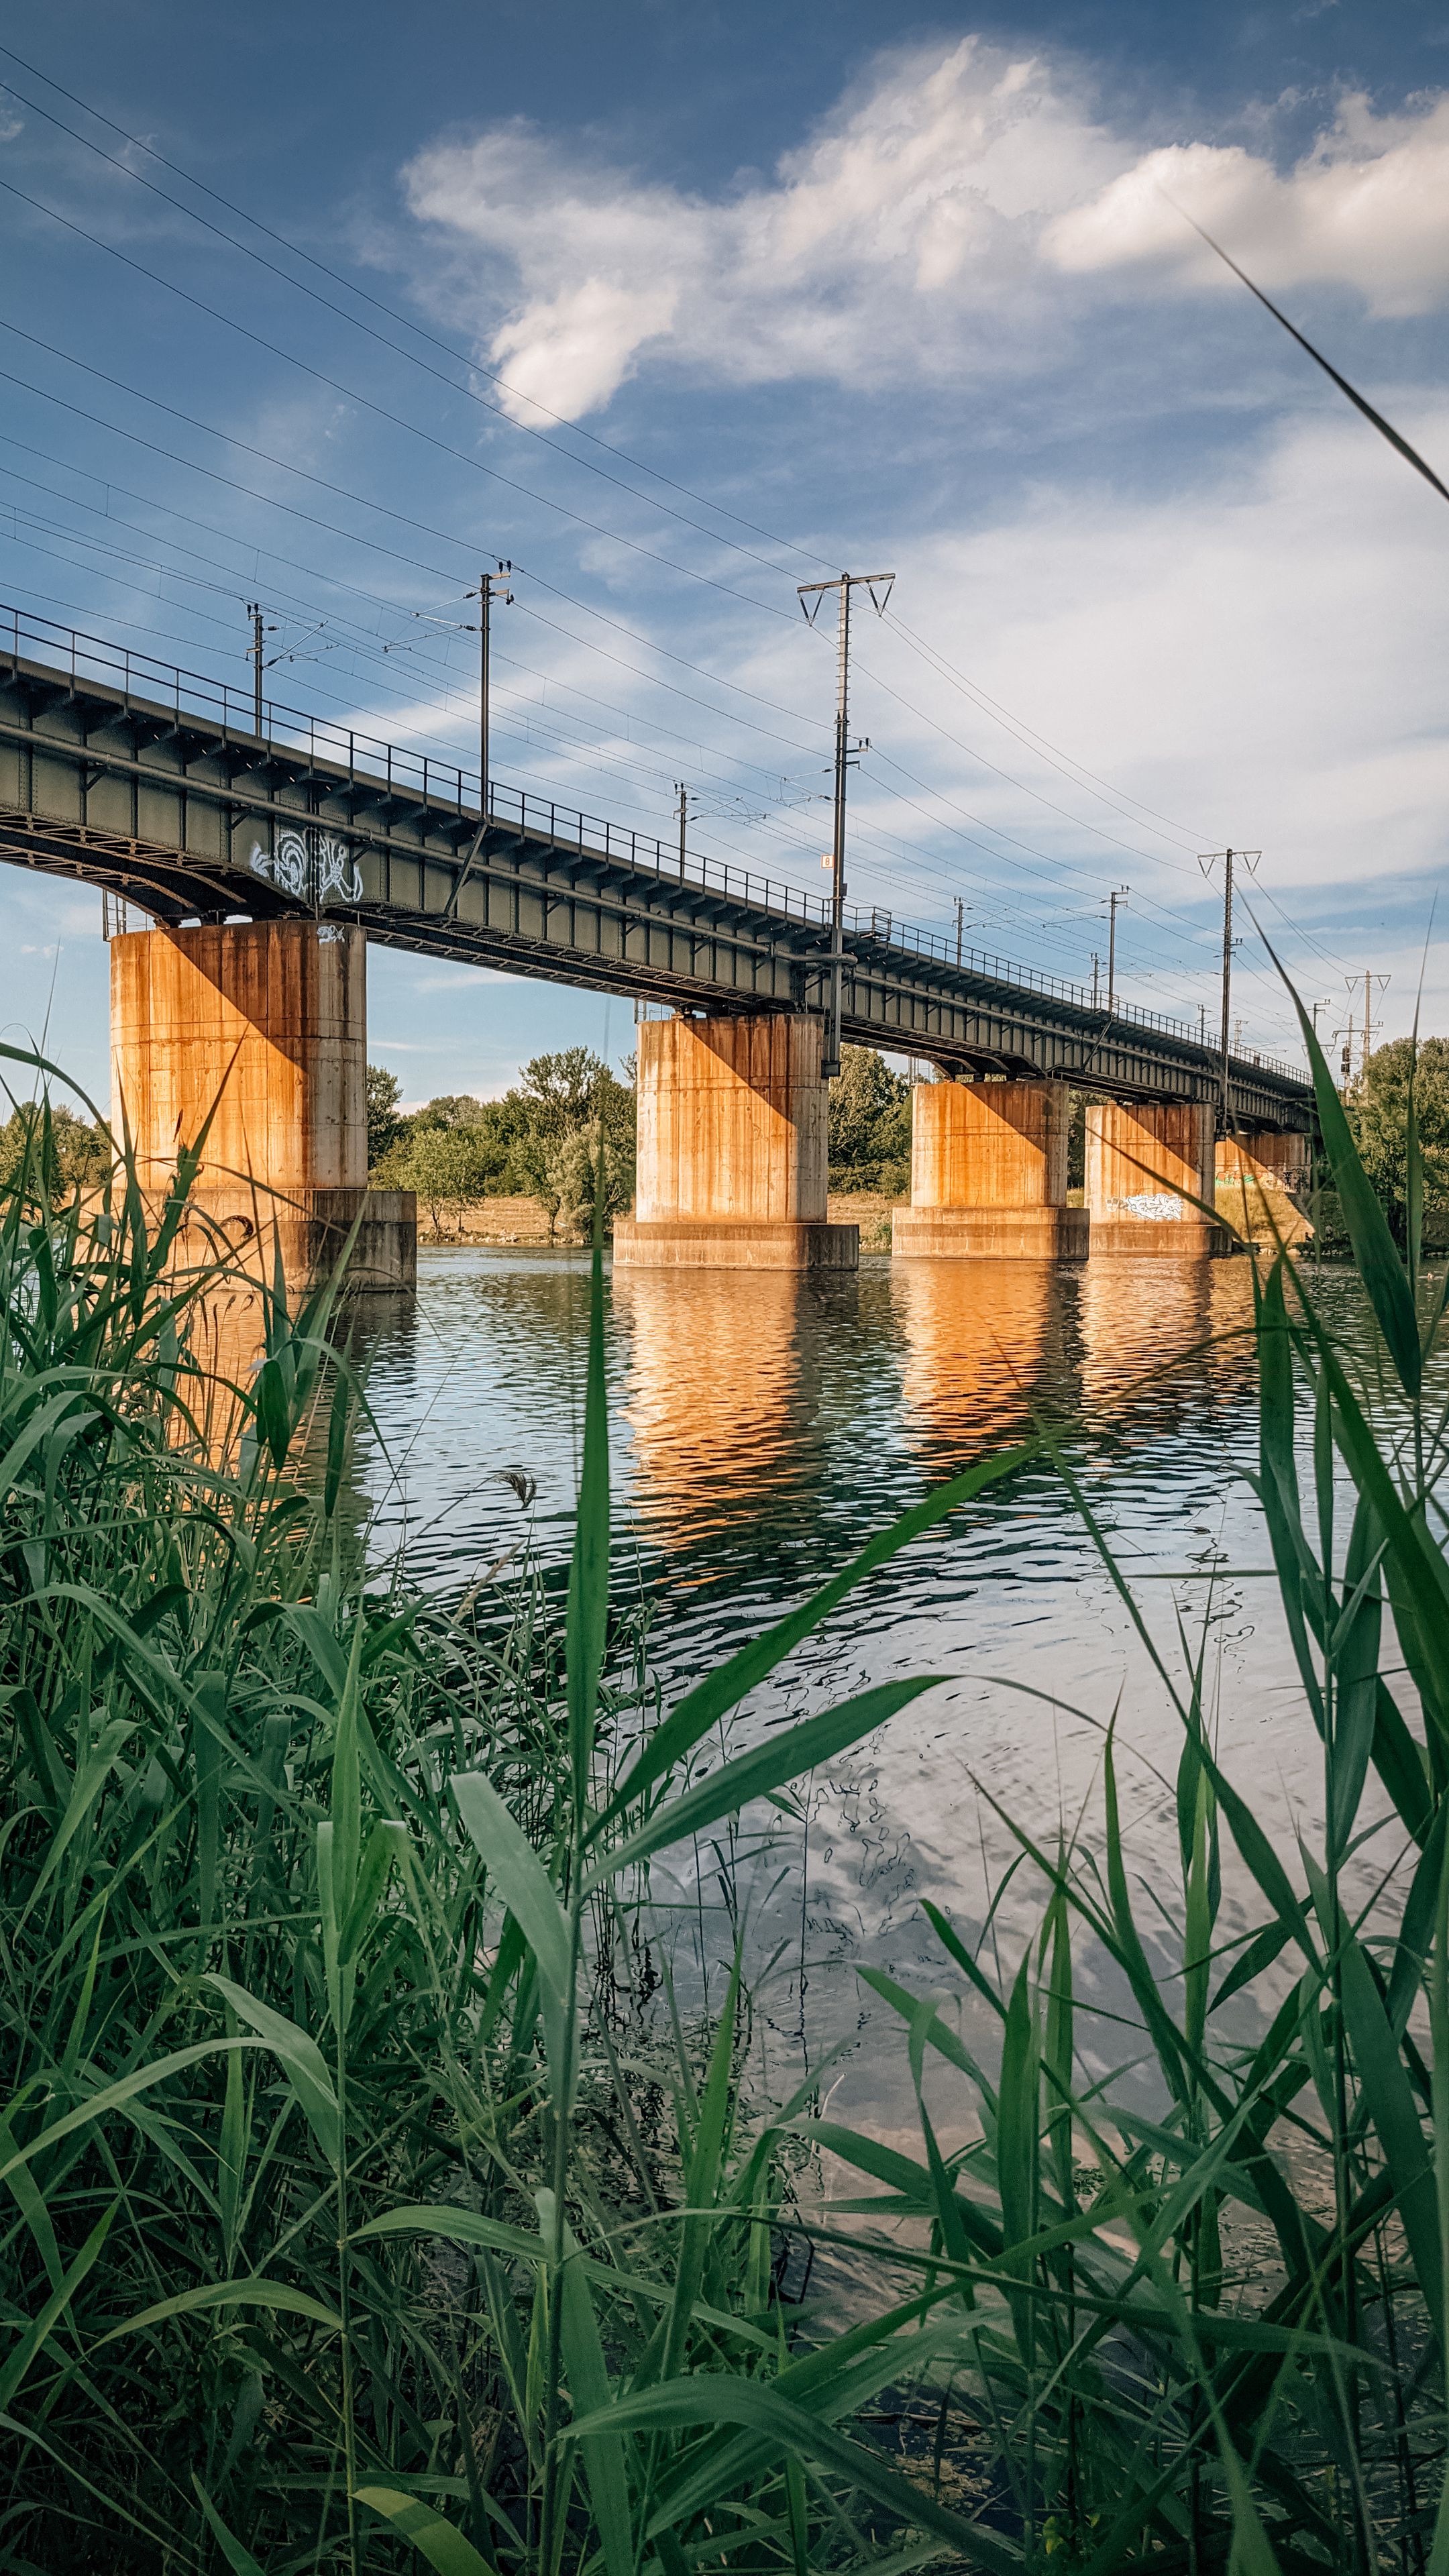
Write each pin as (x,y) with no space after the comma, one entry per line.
(379,2189)
(539,1141)
(1377,1101)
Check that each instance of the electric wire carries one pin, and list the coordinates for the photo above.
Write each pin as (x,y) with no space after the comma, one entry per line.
(1075,771)
(1052,752)
(381,411)
(458,455)
(380,305)
(384,510)
(349,536)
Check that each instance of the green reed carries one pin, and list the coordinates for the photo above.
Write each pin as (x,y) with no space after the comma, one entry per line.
(354,2209)
(345,2187)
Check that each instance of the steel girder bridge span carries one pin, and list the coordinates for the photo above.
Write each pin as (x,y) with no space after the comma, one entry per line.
(269,860)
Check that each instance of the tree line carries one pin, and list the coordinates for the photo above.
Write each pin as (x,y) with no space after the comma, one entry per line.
(542,1139)
(564,1133)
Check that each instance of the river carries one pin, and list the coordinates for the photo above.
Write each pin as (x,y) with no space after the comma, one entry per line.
(763,1426)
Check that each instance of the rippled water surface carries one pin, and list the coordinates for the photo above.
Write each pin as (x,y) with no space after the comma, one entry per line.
(763,1427)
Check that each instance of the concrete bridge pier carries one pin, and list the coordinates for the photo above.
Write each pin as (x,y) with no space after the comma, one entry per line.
(1260,1171)
(1265,1159)
(272,1017)
(989,1174)
(1140,1156)
(732,1149)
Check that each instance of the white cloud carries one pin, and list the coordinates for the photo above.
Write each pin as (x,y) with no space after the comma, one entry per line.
(917,197)
(933,221)
(1367,207)
(1255,656)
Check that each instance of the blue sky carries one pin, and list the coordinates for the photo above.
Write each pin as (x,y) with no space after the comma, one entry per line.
(676,307)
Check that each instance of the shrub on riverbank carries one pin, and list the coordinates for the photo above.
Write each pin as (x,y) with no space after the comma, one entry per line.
(354,2206)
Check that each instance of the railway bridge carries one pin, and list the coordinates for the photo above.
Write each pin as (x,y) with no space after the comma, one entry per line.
(262,861)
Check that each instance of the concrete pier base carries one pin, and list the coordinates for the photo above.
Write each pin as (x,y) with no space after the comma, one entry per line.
(989,1175)
(260,1029)
(310,1228)
(1146,1163)
(732,1150)
(991,1234)
(686,1245)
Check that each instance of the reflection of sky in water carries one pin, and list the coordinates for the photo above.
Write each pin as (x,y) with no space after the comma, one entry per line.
(764,1427)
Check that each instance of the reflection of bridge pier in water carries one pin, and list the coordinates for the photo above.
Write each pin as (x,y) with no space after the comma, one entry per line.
(1165,1332)
(981,1338)
(723,1399)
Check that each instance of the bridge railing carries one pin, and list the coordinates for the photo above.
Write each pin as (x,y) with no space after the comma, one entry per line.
(370,761)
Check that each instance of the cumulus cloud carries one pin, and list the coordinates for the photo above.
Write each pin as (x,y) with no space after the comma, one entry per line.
(931,222)
(1367,207)
(1253,655)
(914,203)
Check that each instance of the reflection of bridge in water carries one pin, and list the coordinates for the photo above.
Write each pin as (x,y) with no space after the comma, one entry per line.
(741,1419)
(268,862)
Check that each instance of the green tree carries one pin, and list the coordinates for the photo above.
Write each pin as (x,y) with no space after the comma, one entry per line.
(452,1109)
(1378,1110)
(541,1140)
(448,1167)
(384,1125)
(62,1150)
(569,1106)
(485,1132)
(572,1174)
(870,1124)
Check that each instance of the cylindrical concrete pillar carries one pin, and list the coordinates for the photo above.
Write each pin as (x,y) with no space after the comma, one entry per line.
(1146,1161)
(989,1173)
(261,1027)
(733,1148)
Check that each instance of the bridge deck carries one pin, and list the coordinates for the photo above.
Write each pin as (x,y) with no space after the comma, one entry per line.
(165,795)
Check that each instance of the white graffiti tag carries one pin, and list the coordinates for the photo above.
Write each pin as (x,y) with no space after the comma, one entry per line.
(311,865)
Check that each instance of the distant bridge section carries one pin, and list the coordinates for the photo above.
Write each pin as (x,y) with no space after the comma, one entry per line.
(153,784)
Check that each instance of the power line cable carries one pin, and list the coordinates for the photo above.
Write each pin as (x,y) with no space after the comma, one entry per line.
(459,455)
(379,305)
(1027,734)
(310,518)
(928,652)
(381,411)
(384,510)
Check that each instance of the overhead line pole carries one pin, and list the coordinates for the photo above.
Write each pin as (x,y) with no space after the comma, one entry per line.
(1369,1022)
(1118,895)
(256,655)
(1227,971)
(1250,860)
(845,755)
(488,584)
